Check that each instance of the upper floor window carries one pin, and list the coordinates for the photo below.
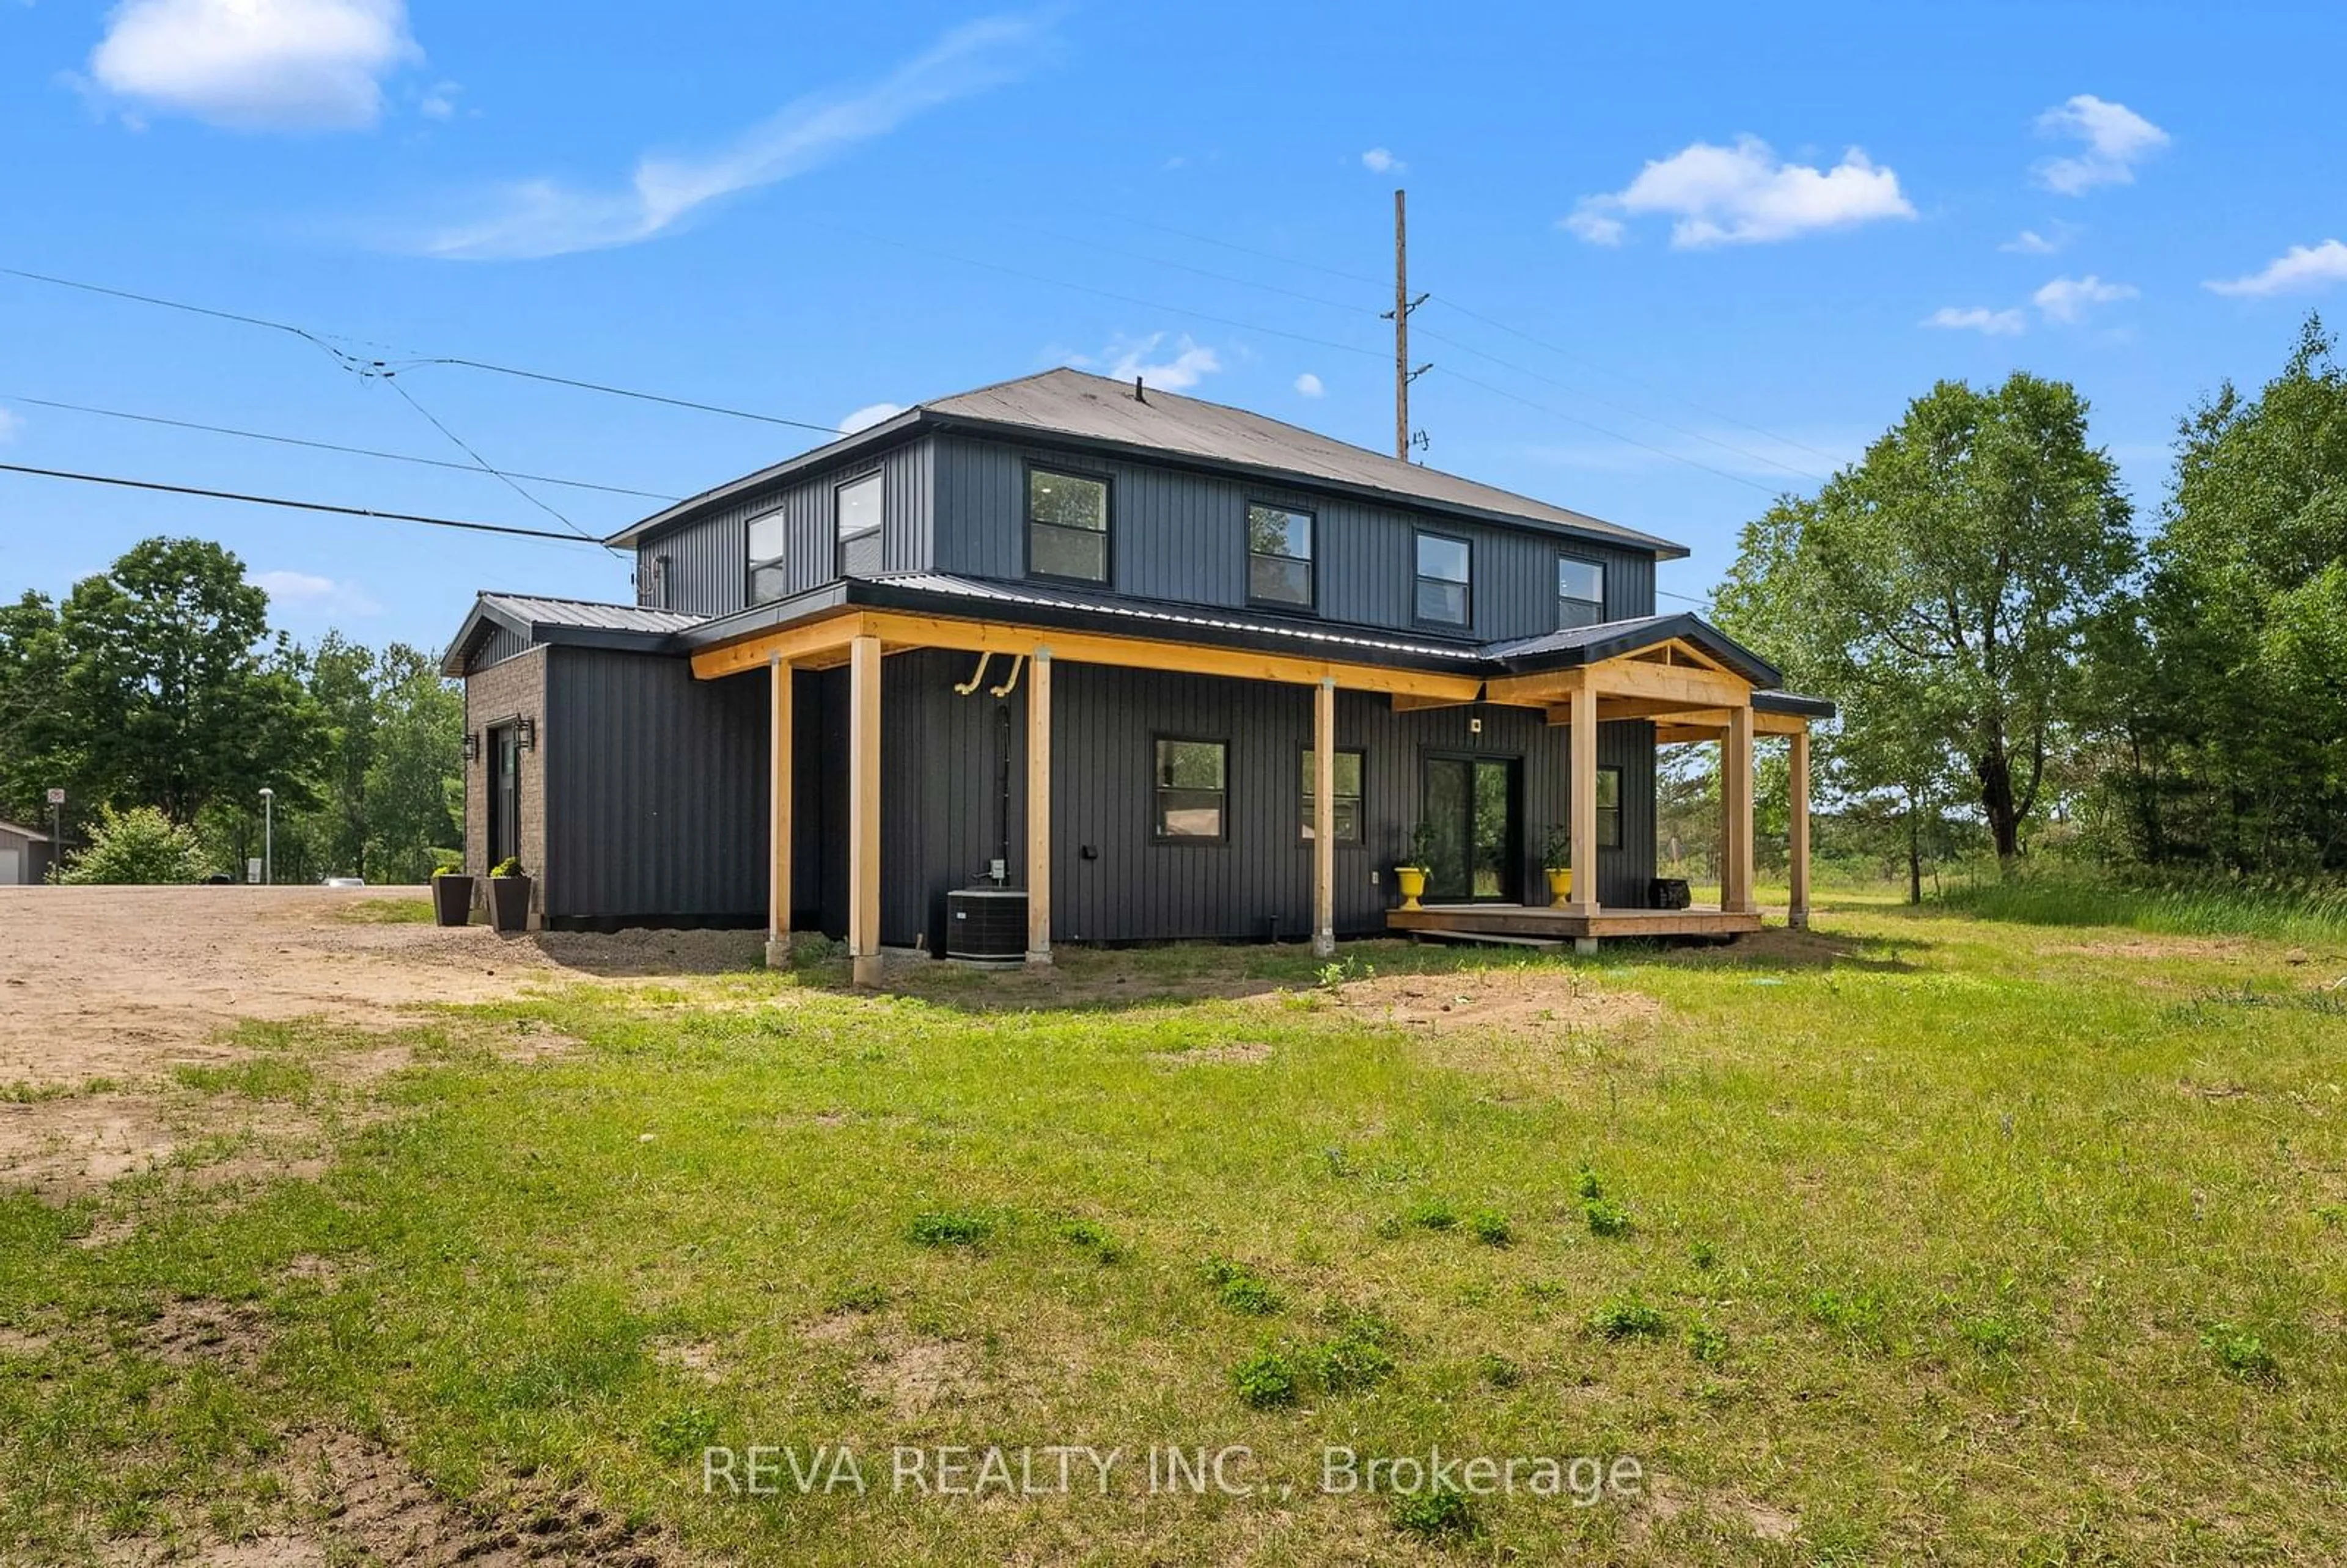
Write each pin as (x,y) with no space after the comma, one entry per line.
(1579,592)
(770,576)
(1445,567)
(856,509)
(1067,525)
(1279,556)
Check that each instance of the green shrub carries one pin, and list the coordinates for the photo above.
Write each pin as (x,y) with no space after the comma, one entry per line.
(1489,1227)
(1705,1343)
(1628,1317)
(1605,1217)
(141,846)
(1586,1185)
(948,1229)
(1498,1370)
(1440,1514)
(509,866)
(683,1433)
(1264,1379)
(1432,1214)
(1094,1239)
(1858,1313)
(1702,1254)
(2242,1355)
(1241,1288)
(1350,1363)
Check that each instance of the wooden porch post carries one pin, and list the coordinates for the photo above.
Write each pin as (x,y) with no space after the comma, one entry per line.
(1798,916)
(1324,819)
(778,814)
(1039,807)
(863,809)
(1582,787)
(1735,774)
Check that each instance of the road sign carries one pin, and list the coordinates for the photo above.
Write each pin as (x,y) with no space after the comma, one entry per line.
(253,870)
(56,797)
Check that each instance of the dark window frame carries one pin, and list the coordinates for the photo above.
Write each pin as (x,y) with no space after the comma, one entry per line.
(1605,587)
(1311,604)
(840,541)
(1417,578)
(1107,482)
(1360,838)
(1158,838)
(754,565)
(1612,813)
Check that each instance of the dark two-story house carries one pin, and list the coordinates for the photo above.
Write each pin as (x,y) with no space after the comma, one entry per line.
(1078,660)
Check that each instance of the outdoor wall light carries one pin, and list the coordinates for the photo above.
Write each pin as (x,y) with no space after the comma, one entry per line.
(527,729)
(473,748)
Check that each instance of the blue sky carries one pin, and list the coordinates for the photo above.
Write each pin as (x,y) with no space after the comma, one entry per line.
(1705,253)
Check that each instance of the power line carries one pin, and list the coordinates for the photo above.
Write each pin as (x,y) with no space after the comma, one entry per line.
(127,484)
(1655,388)
(1601,430)
(505,479)
(322,446)
(377,367)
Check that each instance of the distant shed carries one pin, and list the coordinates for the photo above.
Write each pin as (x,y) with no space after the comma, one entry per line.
(24,855)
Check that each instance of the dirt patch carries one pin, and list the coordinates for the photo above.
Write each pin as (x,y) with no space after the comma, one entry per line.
(1239,1052)
(188,1332)
(2156,948)
(1525,1000)
(1666,1500)
(914,1376)
(698,1356)
(117,987)
(17,1342)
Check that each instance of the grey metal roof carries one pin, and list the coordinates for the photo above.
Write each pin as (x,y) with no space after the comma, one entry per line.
(537,619)
(36,835)
(1611,639)
(529,610)
(1073,406)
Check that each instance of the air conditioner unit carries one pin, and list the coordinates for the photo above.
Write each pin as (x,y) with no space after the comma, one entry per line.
(987,925)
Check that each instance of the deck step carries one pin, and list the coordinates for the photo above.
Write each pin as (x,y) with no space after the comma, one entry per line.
(1487,939)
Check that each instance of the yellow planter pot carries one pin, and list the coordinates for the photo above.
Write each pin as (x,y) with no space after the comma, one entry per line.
(1560,887)
(1413,883)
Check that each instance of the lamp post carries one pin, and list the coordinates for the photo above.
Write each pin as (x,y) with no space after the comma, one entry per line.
(268,836)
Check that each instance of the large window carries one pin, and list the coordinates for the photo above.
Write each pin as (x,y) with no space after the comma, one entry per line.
(855,521)
(768,544)
(1345,798)
(1579,592)
(1444,587)
(1193,791)
(1067,525)
(1279,556)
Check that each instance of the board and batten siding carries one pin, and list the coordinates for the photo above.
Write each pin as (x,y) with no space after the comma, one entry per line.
(656,791)
(708,559)
(943,817)
(1180,536)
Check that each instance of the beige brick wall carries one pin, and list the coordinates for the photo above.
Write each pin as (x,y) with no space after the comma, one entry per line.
(492,696)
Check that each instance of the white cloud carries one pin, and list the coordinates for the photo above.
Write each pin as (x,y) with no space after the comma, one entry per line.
(257,65)
(1979,319)
(2030,242)
(536,218)
(1743,195)
(1378,161)
(440,103)
(9,425)
(2298,270)
(1186,364)
(1309,384)
(2115,139)
(865,417)
(307,590)
(2068,299)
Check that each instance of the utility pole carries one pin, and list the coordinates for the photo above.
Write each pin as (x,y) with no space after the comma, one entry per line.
(1400,316)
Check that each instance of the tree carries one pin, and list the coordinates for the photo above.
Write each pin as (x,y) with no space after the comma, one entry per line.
(138,845)
(340,680)
(2232,713)
(33,753)
(1941,589)
(172,689)
(419,756)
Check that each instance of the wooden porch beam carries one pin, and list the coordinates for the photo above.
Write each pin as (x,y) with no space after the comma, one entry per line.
(1408,703)
(1039,807)
(1581,790)
(864,810)
(780,779)
(1799,844)
(810,643)
(1736,777)
(1324,820)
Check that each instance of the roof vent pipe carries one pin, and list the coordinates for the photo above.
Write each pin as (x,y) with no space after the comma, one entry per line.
(1138,395)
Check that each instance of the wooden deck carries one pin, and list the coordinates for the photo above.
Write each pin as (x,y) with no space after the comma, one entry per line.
(1516,923)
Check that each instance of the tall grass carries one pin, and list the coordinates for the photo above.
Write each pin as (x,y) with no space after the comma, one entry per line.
(2206,905)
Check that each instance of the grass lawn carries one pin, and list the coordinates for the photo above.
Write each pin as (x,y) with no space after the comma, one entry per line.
(1922,1238)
